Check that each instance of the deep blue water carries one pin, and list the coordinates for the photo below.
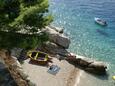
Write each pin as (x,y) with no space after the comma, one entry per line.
(87,38)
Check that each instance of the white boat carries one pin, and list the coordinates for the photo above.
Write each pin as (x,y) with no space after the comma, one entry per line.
(100,21)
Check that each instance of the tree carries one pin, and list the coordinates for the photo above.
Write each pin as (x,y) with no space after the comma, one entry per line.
(29,14)
(23,15)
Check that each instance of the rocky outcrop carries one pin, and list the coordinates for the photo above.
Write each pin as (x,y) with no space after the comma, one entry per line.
(22,73)
(96,67)
(53,48)
(60,30)
(90,65)
(15,69)
(58,45)
(19,53)
(83,62)
(56,37)
(5,77)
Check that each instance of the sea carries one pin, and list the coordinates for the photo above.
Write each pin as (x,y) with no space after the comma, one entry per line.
(88,39)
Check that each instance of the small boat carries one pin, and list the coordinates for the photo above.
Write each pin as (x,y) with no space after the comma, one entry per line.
(38,56)
(100,21)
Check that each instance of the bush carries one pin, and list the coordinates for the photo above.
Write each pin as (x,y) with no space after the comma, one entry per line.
(9,40)
(14,13)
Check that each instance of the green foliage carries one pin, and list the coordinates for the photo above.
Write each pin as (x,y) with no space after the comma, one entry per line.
(9,10)
(26,16)
(10,40)
(14,13)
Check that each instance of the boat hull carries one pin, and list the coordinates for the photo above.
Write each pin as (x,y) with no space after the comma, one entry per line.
(100,21)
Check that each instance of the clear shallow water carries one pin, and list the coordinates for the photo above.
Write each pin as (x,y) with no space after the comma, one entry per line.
(87,38)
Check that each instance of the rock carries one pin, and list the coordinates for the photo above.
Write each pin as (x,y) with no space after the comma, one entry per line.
(2,65)
(16,63)
(71,57)
(83,62)
(28,79)
(60,30)
(59,57)
(95,71)
(31,83)
(62,40)
(23,74)
(98,65)
(55,49)
(90,65)
(91,70)
(19,54)
(57,38)
(16,52)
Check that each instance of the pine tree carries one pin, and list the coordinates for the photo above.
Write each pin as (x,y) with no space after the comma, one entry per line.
(24,16)
(29,14)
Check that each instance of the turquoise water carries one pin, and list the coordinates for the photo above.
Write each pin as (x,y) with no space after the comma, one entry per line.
(87,38)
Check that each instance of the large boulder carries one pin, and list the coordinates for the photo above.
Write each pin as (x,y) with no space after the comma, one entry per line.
(83,62)
(53,48)
(57,38)
(95,71)
(91,65)
(98,65)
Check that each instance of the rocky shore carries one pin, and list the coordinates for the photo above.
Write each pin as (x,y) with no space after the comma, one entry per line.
(56,47)
(59,43)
